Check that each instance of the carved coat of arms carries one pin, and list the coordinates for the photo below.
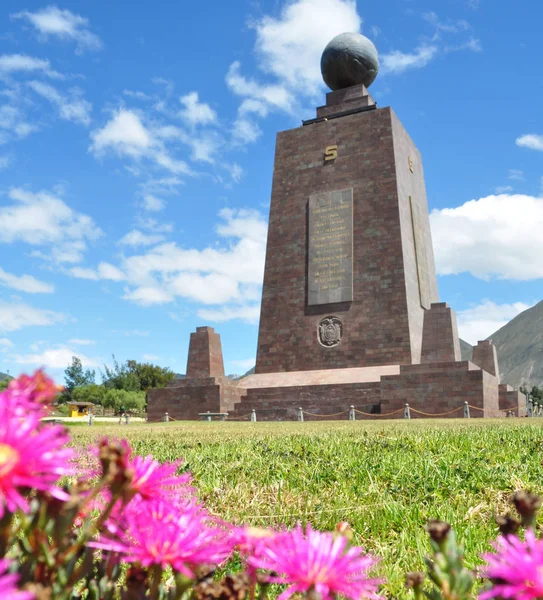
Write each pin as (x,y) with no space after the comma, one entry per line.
(330,331)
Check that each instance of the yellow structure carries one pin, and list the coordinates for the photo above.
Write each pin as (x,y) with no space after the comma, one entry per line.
(80,409)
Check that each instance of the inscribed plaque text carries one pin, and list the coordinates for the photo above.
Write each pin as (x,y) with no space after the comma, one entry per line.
(330,254)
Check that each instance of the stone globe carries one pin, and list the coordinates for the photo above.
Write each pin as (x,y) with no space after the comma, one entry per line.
(349,59)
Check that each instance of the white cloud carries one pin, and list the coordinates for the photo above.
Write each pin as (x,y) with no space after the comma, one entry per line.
(248,314)
(148,296)
(245,363)
(62,24)
(196,112)
(487,237)
(516,174)
(81,342)
(105,271)
(260,96)
(4,162)
(6,343)
(54,358)
(397,62)
(110,272)
(22,63)
(125,134)
(479,322)
(42,219)
(16,315)
(150,357)
(25,283)
(530,140)
(152,203)
(73,108)
(137,238)
(290,46)
(503,189)
(13,124)
(245,130)
(154,225)
(229,273)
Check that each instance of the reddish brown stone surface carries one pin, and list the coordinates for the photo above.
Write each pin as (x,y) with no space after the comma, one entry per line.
(205,354)
(440,341)
(512,400)
(438,388)
(484,356)
(383,323)
(184,399)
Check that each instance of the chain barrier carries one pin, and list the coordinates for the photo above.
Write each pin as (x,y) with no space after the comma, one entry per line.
(420,412)
(326,416)
(240,418)
(394,412)
(497,411)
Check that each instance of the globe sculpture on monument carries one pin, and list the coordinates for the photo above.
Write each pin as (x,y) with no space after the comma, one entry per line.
(350,311)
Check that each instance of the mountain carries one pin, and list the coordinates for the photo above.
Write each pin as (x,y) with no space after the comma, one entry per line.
(5,376)
(519,346)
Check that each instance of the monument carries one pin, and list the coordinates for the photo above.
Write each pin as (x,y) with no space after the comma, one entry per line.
(350,310)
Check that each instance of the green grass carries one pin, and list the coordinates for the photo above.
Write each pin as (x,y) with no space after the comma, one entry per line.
(386,479)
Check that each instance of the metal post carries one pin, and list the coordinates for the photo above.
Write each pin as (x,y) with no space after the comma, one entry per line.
(253,416)
(352,414)
(530,408)
(166,417)
(466,410)
(300,414)
(406,412)
(208,418)
(527,394)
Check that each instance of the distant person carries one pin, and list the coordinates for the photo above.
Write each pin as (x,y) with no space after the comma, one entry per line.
(126,417)
(91,417)
(121,418)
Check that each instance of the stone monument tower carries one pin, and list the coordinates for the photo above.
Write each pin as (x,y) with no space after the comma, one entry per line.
(350,311)
(349,263)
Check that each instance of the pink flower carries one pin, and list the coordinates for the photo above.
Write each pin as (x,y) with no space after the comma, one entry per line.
(8,587)
(517,568)
(160,533)
(30,392)
(250,541)
(318,561)
(32,456)
(152,480)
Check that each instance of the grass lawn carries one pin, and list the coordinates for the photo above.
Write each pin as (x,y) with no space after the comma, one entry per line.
(387,479)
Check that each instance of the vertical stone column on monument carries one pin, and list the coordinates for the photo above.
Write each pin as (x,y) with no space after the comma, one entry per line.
(440,341)
(349,267)
(205,354)
(485,357)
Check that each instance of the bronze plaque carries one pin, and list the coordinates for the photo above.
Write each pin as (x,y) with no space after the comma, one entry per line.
(330,253)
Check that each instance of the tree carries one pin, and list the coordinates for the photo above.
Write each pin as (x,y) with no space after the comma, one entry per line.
(89,393)
(4,384)
(150,376)
(120,377)
(75,377)
(122,400)
(133,376)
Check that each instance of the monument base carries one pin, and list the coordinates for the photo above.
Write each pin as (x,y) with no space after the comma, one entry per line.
(431,390)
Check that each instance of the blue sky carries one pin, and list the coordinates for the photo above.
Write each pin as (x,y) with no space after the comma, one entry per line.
(136,157)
